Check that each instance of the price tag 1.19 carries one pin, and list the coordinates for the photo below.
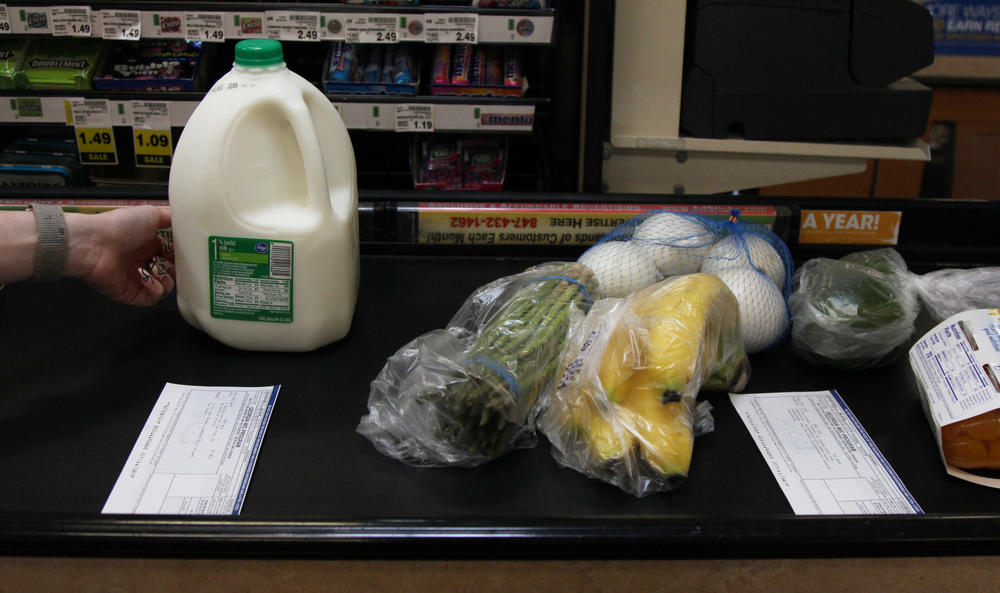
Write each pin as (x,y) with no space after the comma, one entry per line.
(71,21)
(290,25)
(451,28)
(414,118)
(4,20)
(95,137)
(151,133)
(125,25)
(372,28)
(205,26)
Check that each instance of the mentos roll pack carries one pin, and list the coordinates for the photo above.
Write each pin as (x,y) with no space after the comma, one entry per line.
(371,69)
(476,70)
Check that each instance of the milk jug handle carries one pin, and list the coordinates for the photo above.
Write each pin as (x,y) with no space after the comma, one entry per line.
(317,195)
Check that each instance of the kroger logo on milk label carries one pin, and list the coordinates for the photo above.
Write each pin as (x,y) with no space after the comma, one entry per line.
(260,247)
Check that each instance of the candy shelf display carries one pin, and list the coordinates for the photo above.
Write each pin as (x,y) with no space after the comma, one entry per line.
(392,96)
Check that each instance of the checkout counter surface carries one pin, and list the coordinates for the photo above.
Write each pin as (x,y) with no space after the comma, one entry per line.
(79,375)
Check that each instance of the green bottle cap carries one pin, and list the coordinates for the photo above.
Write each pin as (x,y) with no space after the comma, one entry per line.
(258,53)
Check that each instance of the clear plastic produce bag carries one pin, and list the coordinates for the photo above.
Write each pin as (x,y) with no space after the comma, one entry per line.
(466,394)
(950,291)
(625,410)
(858,312)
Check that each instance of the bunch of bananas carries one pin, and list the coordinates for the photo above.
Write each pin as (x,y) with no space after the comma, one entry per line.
(624,409)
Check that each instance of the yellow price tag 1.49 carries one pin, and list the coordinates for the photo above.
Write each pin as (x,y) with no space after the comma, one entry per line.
(97,146)
(153,148)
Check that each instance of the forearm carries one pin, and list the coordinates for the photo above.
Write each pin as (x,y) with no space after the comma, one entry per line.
(18,246)
(19,242)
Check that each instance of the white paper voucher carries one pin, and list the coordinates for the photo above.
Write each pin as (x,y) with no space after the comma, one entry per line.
(824,461)
(196,452)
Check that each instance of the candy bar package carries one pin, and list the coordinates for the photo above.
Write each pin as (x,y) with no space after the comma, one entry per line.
(153,65)
(62,63)
(371,69)
(475,70)
(12,51)
(460,163)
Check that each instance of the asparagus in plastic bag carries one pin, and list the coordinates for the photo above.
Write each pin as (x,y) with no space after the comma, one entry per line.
(467,394)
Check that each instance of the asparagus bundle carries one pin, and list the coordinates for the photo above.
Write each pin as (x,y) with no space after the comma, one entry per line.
(510,364)
(467,394)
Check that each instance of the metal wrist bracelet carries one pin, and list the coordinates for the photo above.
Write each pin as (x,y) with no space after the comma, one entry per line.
(50,262)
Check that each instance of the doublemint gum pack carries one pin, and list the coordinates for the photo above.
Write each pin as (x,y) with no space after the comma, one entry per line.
(59,63)
(11,54)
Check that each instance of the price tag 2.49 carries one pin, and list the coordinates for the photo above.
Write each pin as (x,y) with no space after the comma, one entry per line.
(414,118)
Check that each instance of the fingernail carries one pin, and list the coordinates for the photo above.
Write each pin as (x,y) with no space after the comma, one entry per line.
(146,276)
(156,266)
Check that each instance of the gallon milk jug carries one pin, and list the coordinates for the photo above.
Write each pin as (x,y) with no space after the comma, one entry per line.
(263,193)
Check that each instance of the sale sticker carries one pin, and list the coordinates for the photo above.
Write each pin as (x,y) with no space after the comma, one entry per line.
(95,137)
(850,227)
(151,133)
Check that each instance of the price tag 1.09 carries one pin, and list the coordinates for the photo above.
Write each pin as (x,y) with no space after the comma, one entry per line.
(95,137)
(151,133)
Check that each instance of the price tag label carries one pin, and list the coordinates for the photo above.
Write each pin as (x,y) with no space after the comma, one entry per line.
(164,25)
(332,26)
(153,148)
(205,26)
(151,133)
(414,118)
(125,25)
(411,27)
(4,20)
(95,137)
(451,28)
(289,25)
(372,28)
(71,21)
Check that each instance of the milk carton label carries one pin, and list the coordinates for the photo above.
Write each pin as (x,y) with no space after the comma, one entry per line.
(250,279)
(957,364)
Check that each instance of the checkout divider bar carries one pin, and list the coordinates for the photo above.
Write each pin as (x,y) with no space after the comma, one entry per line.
(928,233)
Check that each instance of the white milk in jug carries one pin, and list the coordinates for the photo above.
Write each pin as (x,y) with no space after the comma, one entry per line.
(263,193)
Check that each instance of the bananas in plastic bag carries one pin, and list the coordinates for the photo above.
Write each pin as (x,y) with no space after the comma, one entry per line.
(464,395)
(625,409)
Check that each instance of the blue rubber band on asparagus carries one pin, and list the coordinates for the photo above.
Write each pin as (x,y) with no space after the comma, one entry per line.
(583,289)
(496,368)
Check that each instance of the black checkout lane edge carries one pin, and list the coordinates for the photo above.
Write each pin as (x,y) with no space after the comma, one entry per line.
(319,489)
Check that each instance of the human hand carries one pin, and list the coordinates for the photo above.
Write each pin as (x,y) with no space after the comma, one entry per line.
(119,254)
